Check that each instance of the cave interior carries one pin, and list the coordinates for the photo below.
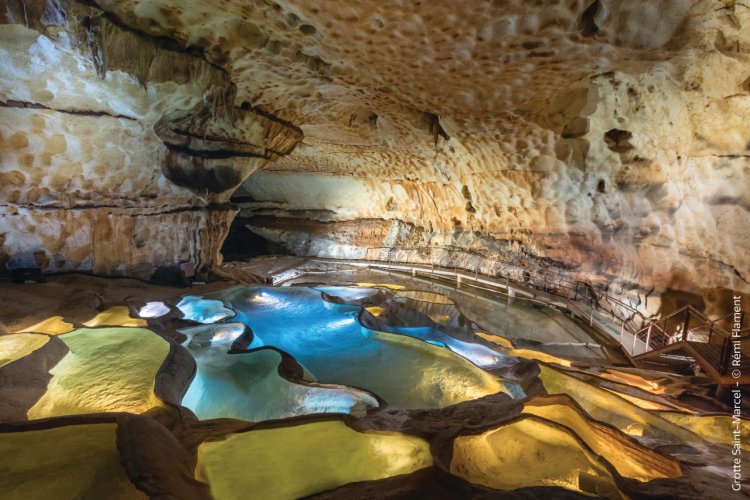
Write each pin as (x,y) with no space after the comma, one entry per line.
(374,249)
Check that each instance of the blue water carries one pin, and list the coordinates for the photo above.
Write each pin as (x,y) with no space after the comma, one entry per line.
(203,311)
(328,341)
(478,354)
(248,386)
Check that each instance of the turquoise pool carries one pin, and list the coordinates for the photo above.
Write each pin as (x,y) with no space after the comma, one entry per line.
(348,362)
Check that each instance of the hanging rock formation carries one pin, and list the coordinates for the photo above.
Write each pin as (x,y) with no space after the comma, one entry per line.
(119,151)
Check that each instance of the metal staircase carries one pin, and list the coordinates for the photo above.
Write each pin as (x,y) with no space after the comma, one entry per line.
(688,337)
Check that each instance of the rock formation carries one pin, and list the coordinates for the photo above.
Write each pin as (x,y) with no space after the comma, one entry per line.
(119,151)
(603,139)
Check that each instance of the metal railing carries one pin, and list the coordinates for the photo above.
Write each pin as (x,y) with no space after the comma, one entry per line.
(636,333)
(577,297)
(687,324)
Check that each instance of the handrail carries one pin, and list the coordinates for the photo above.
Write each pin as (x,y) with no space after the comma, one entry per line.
(656,335)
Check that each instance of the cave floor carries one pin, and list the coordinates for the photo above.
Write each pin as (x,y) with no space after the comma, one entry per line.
(339,384)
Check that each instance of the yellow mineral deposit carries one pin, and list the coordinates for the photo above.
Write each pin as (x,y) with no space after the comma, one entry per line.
(75,461)
(16,346)
(106,369)
(531,451)
(54,325)
(281,460)
(115,316)
(628,457)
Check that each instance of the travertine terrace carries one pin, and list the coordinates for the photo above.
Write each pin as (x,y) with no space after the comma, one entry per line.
(506,221)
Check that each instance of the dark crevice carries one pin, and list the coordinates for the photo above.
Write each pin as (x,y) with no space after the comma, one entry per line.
(242,244)
(246,106)
(618,140)
(587,24)
(213,138)
(220,154)
(34,105)
(121,210)
(437,131)
(162,42)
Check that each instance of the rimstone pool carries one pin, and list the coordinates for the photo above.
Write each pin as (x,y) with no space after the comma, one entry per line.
(336,389)
(331,346)
(374,249)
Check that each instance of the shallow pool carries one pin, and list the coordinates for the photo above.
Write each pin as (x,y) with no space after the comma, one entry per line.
(333,348)
(251,385)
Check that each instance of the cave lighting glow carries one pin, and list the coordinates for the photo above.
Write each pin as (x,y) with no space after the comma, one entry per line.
(328,341)
(155,309)
(202,310)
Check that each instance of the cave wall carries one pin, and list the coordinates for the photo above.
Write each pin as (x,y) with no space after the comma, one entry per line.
(604,139)
(618,156)
(118,152)
(665,208)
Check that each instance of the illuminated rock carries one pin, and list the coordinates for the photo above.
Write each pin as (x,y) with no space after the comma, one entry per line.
(106,369)
(202,310)
(54,325)
(628,457)
(14,347)
(611,408)
(496,339)
(352,295)
(425,296)
(714,428)
(531,452)
(75,461)
(275,463)
(115,316)
(154,309)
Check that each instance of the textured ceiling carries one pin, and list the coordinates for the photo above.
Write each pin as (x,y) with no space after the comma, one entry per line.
(607,138)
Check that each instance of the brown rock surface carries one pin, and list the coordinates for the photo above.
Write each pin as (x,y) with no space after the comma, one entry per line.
(119,151)
(25,380)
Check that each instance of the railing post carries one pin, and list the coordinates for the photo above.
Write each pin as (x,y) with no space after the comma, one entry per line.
(591,318)
(648,337)
(710,331)
(686,325)
(507,287)
(622,330)
(635,337)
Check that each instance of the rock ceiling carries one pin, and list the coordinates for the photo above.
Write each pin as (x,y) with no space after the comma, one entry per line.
(605,139)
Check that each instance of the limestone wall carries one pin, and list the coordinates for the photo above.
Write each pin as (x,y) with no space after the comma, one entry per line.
(118,152)
(605,139)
